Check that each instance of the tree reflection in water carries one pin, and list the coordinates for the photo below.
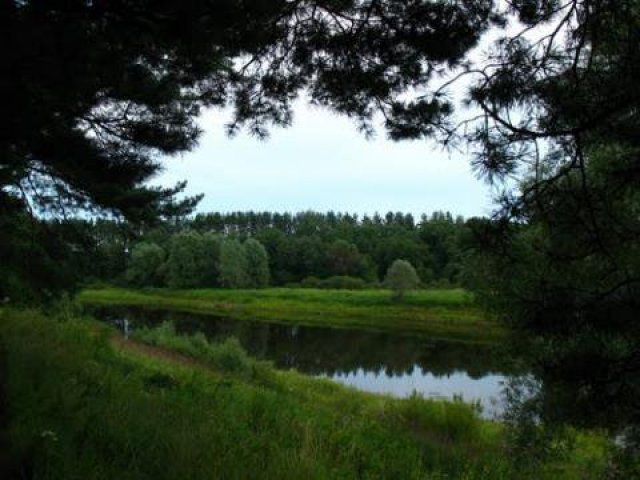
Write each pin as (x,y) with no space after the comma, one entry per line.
(540,393)
(368,360)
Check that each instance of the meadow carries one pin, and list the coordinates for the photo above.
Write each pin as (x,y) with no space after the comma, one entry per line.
(446,313)
(83,403)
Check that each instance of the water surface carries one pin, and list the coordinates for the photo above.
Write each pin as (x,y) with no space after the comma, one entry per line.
(378,362)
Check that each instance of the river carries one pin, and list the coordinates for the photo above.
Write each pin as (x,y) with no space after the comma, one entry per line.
(381,362)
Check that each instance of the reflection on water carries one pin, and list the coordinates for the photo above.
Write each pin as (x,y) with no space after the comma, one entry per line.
(371,361)
(486,390)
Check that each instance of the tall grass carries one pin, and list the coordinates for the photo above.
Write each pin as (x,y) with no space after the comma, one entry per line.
(82,406)
(228,355)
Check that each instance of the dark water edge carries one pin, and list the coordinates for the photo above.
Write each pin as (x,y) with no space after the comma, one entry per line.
(379,362)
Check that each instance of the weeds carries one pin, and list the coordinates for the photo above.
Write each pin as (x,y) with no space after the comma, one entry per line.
(78,408)
(228,355)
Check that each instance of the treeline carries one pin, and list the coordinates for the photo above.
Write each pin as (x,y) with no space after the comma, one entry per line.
(192,260)
(306,248)
(309,248)
(310,245)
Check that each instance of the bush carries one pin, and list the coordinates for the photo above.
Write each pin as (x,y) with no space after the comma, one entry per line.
(343,282)
(338,282)
(401,277)
(145,266)
(227,355)
(311,282)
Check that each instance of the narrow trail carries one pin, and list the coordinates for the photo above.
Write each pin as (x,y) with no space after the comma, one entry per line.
(121,343)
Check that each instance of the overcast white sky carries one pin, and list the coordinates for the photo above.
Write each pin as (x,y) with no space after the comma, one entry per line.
(323,163)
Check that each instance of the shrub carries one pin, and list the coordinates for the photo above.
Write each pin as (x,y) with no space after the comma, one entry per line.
(343,282)
(145,266)
(401,277)
(311,282)
(227,355)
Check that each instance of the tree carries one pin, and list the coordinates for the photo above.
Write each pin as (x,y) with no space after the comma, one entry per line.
(257,264)
(575,289)
(36,261)
(233,264)
(560,259)
(400,243)
(343,258)
(400,278)
(145,266)
(98,90)
(186,265)
(210,247)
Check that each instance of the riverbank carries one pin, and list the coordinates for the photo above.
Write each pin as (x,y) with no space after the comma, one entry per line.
(84,403)
(449,314)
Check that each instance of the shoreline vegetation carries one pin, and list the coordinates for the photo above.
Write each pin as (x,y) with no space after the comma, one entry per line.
(445,313)
(164,405)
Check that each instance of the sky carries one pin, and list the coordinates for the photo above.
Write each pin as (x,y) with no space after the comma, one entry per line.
(323,163)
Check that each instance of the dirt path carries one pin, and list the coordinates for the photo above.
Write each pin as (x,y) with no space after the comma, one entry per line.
(135,346)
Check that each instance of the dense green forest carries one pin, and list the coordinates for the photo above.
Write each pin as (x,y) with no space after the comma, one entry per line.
(249,250)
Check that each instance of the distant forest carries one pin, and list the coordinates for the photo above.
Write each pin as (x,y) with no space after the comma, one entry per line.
(254,249)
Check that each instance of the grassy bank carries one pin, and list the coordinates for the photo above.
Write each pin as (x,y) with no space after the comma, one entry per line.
(83,403)
(443,313)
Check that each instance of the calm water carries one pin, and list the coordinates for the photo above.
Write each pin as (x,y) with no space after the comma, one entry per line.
(371,361)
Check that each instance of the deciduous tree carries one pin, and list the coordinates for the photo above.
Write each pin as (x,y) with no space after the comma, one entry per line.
(400,278)
(233,264)
(146,265)
(257,264)
(186,265)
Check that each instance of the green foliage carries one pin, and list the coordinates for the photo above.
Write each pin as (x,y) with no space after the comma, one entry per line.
(446,313)
(562,260)
(187,264)
(233,264)
(344,259)
(96,250)
(401,277)
(146,265)
(312,244)
(196,260)
(455,420)
(540,276)
(84,128)
(342,282)
(227,356)
(257,263)
(137,415)
(37,264)
(210,259)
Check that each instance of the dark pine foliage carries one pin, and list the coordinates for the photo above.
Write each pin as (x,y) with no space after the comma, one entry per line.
(96,91)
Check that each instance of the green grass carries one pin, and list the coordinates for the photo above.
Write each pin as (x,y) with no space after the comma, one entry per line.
(84,404)
(443,313)
(227,355)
